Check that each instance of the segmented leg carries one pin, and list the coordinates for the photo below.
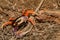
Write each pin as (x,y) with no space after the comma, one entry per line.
(8,23)
(11,19)
(32,21)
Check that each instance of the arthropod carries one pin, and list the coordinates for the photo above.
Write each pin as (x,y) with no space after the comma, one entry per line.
(22,20)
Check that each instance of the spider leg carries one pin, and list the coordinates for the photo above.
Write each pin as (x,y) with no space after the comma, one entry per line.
(11,19)
(5,24)
(8,23)
(32,21)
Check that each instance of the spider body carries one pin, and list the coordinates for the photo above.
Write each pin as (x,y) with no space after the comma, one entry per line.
(20,21)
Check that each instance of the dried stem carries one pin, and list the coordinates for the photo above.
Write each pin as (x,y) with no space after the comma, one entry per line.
(2,12)
(8,2)
(22,1)
(40,4)
(53,12)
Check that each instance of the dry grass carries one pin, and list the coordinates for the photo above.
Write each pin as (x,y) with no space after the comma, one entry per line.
(13,8)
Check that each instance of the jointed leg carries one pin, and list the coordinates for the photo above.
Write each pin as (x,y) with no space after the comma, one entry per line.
(32,21)
(7,23)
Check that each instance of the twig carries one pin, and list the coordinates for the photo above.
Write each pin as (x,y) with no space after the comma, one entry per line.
(22,1)
(12,38)
(40,4)
(53,12)
(8,2)
(13,5)
(2,12)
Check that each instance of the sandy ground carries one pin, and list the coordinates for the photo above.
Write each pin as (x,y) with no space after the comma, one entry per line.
(13,8)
